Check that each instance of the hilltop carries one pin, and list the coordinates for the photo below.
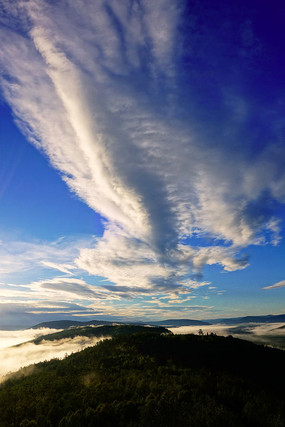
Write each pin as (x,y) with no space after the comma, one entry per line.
(65,324)
(99,332)
(152,379)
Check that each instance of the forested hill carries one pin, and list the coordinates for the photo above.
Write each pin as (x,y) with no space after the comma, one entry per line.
(180,322)
(150,379)
(64,324)
(99,331)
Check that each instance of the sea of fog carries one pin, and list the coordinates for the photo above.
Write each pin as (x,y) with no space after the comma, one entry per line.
(17,350)
(271,334)
(9,338)
(225,330)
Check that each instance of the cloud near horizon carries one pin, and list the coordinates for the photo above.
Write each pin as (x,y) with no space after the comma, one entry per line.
(14,358)
(11,338)
(280,284)
(103,80)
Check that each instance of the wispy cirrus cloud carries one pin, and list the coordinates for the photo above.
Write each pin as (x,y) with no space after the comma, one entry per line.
(157,164)
(280,284)
(55,289)
(64,268)
(19,256)
(21,312)
(28,312)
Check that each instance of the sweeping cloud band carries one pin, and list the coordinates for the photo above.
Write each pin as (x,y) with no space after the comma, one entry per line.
(97,86)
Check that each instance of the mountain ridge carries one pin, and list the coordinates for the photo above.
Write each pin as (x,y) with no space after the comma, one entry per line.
(269,318)
(65,324)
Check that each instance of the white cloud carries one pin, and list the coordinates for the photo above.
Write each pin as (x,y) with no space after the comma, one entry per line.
(56,289)
(108,93)
(22,256)
(67,289)
(10,338)
(280,284)
(64,268)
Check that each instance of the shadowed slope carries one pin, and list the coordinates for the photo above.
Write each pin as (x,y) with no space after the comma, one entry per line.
(149,379)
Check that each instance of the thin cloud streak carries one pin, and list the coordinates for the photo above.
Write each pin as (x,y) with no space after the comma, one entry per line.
(22,256)
(280,284)
(25,312)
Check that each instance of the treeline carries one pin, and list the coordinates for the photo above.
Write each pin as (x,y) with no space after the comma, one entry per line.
(147,379)
(98,332)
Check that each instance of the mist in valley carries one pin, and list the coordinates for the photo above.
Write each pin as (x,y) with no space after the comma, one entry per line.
(24,352)
(270,334)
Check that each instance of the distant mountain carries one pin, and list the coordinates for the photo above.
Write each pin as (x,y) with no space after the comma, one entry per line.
(65,324)
(180,322)
(100,331)
(276,318)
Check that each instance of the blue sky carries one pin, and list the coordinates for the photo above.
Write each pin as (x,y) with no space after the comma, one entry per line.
(142,159)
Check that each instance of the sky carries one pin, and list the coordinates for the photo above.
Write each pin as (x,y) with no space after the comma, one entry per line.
(142,159)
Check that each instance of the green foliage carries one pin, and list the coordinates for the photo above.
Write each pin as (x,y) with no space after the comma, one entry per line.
(148,379)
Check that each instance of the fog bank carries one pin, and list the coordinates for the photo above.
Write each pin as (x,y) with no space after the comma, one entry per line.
(9,338)
(14,358)
(272,334)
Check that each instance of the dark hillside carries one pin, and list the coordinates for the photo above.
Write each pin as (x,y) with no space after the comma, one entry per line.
(180,322)
(147,379)
(99,331)
(64,324)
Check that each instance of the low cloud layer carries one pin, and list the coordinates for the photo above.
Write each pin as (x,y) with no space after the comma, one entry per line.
(272,334)
(10,338)
(14,358)
(101,89)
